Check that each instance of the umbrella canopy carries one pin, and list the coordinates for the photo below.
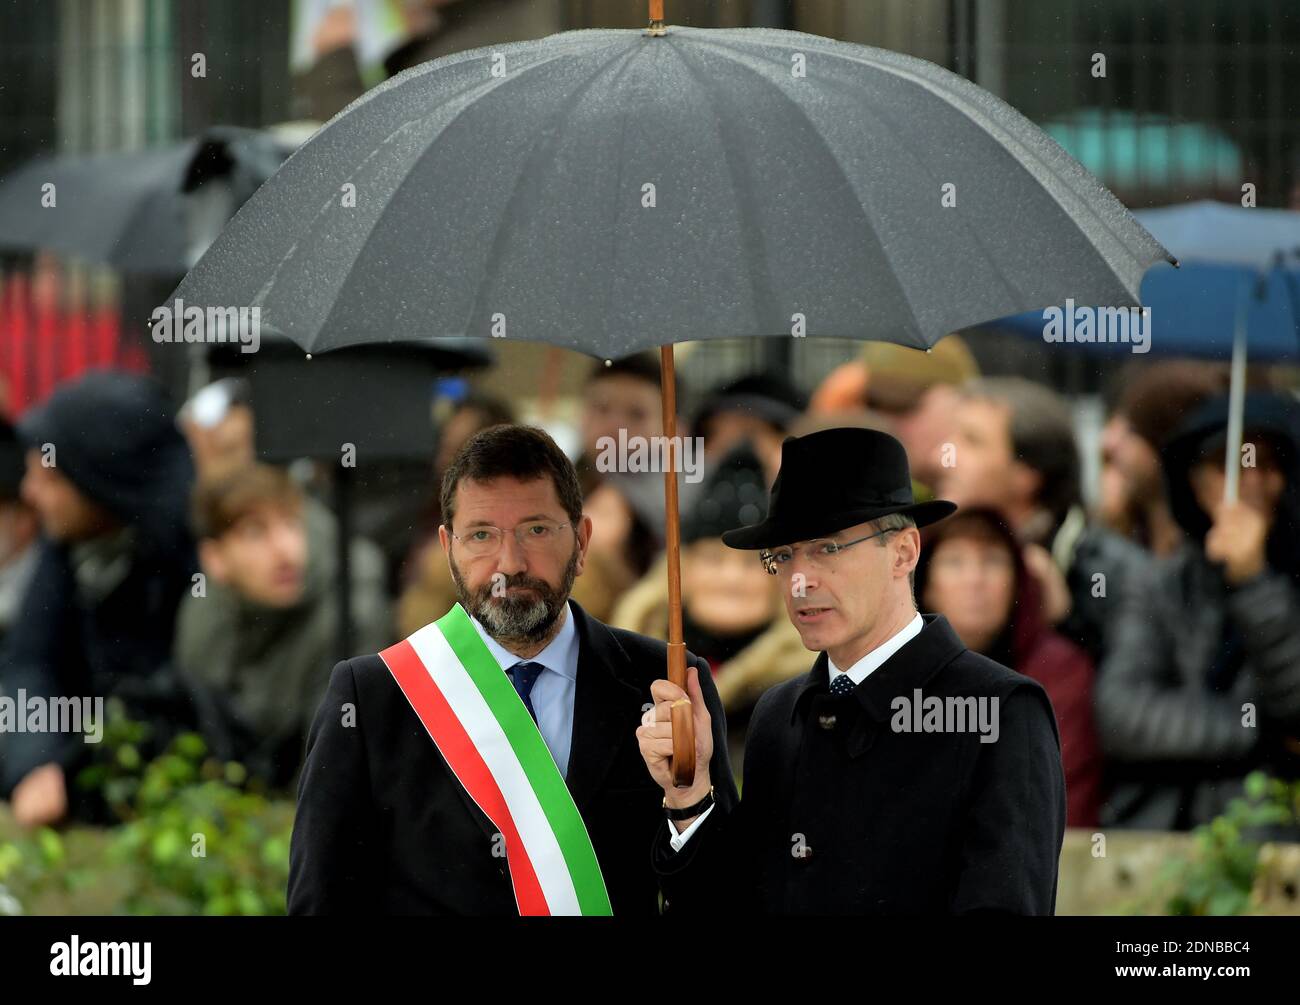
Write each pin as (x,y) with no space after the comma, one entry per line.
(1221,234)
(1224,251)
(609,191)
(146,211)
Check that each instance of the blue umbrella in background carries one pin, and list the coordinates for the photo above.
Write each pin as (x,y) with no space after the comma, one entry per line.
(1237,293)
(1223,252)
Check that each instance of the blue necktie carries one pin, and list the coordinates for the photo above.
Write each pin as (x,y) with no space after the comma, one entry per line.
(843,684)
(524,675)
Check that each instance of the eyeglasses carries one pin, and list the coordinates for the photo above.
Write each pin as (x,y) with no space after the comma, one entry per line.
(820,552)
(534,537)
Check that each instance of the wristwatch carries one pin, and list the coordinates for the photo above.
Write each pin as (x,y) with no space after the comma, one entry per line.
(686,812)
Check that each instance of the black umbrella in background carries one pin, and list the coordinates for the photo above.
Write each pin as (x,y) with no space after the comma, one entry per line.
(151,211)
(611,190)
(150,214)
(147,214)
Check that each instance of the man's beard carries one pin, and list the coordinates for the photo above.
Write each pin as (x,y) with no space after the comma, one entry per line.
(511,618)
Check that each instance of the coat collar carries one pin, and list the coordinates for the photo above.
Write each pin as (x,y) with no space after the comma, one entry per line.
(606,706)
(933,648)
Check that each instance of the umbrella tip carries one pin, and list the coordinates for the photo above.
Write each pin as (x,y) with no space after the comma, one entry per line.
(656,27)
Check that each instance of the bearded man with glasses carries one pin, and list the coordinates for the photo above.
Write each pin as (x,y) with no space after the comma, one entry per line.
(903,774)
(488,764)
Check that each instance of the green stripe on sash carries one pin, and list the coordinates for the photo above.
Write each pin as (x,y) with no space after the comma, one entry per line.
(534,756)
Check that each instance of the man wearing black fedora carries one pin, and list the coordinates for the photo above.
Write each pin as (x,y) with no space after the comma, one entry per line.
(904,773)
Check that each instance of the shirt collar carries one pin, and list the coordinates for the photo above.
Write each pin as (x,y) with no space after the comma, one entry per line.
(872,660)
(559,656)
(933,648)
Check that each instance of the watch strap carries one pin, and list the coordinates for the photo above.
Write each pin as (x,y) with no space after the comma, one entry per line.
(686,812)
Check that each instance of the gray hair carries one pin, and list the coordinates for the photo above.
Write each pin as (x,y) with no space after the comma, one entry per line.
(897,521)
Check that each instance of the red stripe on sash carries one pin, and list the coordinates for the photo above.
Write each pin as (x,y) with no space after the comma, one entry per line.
(467,765)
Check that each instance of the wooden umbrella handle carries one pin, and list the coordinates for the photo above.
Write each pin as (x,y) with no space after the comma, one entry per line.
(683,719)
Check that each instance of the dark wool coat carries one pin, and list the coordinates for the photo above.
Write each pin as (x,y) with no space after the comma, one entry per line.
(383,826)
(844,814)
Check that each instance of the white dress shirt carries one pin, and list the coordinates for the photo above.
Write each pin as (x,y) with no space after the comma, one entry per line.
(876,658)
(555,688)
(857,673)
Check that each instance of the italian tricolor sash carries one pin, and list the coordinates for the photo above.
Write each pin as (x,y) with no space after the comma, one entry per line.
(483,731)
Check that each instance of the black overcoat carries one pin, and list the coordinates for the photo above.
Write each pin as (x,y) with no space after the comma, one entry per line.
(384,827)
(844,813)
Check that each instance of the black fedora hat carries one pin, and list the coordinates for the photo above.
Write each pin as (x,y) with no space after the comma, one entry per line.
(834,479)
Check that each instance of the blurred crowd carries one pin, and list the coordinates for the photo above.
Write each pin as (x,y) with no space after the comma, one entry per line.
(149,557)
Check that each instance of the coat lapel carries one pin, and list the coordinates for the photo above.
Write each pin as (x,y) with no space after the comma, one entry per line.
(913,666)
(933,648)
(606,710)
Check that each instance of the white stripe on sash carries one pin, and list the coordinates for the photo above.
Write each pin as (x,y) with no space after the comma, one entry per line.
(468,705)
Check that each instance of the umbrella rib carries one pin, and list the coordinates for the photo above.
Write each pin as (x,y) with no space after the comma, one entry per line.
(622,163)
(1083,187)
(1012,289)
(550,136)
(1009,285)
(758,271)
(861,199)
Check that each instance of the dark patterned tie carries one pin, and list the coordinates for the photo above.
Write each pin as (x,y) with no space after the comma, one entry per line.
(843,684)
(524,675)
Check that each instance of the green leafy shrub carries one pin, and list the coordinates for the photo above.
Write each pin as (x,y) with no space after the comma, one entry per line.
(194,837)
(1217,878)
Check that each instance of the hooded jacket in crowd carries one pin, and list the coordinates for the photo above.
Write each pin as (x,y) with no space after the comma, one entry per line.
(98,617)
(1029,645)
(1195,658)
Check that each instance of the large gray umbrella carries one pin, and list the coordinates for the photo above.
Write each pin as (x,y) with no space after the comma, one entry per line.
(608,191)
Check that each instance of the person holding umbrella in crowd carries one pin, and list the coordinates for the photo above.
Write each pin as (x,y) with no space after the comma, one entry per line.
(903,774)
(1203,684)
